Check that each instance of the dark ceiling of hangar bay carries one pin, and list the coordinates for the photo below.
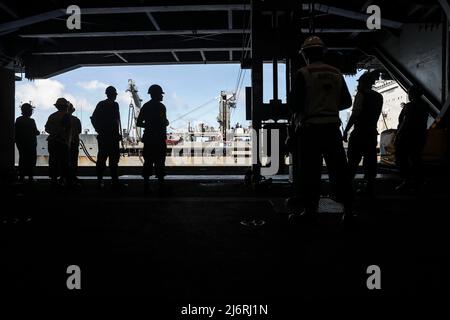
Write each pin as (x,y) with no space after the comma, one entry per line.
(23,8)
(63,53)
(398,9)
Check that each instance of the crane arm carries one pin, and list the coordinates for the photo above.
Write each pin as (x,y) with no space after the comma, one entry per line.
(134,94)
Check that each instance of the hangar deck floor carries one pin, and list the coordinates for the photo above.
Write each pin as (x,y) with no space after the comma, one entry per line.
(189,244)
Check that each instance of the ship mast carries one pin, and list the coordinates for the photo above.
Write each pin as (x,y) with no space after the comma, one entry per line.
(226,102)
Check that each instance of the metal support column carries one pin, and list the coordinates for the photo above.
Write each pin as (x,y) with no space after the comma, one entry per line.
(7,114)
(445,71)
(257,88)
(257,101)
(275,78)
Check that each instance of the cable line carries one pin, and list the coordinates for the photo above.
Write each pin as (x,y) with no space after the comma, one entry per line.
(195,109)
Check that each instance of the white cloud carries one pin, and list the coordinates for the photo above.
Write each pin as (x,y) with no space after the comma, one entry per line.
(44,93)
(92,85)
(124,98)
(79,103)
(41,93)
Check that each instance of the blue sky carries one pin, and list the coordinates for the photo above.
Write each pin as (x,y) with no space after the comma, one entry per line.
(186,87)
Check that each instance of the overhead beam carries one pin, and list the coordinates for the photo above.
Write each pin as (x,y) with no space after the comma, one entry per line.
(131,51)
(336,30)
(19,23)
(71,67)
(413,9)
(363,8)
(153,20)
(230,19)
(186,8)
(175,56)
(431,10)
(120,57)
(134,33)
(8,26)
(183,8)
(8,31)
(5,8)
(173,51)
(351,14)
(444,4)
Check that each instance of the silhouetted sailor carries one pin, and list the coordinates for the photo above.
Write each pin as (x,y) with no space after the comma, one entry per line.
(106,121)
(363,139)
(318,94)
(410,140)
(26,142)
(59,129)
(153,118)
(74,143)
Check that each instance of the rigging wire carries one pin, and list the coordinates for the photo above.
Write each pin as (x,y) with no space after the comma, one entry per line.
(86,152)
(195,109)
(238,93)
(246,37)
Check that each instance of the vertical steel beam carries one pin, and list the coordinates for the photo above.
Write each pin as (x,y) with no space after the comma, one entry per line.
(446,58)
(288,77)
(275,78)
(257,84)
(7,114)
(445,71)
(446,7)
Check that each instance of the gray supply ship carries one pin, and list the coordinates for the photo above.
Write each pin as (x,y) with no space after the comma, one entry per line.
(202,145)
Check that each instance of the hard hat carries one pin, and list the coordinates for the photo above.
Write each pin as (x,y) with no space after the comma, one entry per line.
(155,89)
(26,106)
(312,42)
(61,102)
(111,90)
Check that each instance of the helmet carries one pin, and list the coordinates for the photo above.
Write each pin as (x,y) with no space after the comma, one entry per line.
(61,102)
(155,89)
(26,106)
(312,42)
(111,90)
